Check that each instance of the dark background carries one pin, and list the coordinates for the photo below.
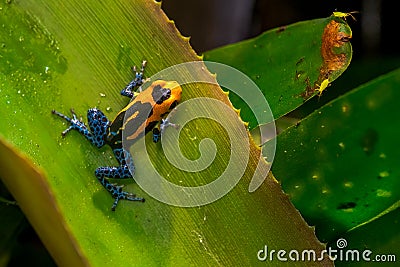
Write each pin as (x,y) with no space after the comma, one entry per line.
(213,23)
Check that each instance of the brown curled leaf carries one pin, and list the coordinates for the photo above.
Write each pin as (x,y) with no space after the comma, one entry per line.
(336,53)
(335,49)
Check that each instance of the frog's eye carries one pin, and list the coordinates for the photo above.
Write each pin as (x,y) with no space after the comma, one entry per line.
(166,93)
(161,94)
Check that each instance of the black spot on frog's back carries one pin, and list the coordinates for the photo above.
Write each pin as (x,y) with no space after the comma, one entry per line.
(135,116)
(160,94)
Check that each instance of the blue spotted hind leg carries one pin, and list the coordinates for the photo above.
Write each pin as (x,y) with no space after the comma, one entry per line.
(120,172)
(98,127)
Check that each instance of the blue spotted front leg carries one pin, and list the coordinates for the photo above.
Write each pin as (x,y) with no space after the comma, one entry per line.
(96,134)
(130,89)
(159,130)
(98,124)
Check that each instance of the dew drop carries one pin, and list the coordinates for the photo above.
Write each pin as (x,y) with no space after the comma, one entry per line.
(348,184)
(383,174)
(383,193)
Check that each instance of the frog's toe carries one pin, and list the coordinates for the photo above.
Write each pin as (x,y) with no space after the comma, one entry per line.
(119,194)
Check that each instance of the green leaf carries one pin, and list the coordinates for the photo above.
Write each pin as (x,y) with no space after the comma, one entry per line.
(289,63)
(12,221)
(343,158)
(33,194)
(78,54)
(381,237)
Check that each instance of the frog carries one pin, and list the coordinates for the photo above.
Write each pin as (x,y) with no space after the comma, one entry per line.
(146,112)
